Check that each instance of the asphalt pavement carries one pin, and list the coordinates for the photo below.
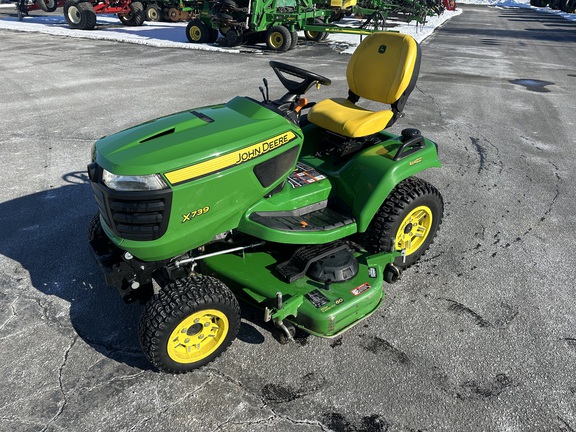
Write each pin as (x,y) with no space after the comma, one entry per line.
(480,336)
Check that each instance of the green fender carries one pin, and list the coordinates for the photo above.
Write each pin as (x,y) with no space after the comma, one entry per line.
(365,182)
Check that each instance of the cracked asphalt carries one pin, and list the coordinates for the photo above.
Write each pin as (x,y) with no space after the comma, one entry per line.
(480,336)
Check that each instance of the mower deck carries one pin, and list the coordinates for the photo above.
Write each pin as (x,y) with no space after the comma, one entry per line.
(321,309)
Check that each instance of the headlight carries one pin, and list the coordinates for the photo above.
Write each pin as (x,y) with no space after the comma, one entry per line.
(133,183)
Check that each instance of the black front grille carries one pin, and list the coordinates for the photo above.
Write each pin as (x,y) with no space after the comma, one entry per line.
(134,215)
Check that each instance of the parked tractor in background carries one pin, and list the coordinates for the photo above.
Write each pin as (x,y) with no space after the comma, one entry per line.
(274,22)
(81,14)
(170,10)
(23,6)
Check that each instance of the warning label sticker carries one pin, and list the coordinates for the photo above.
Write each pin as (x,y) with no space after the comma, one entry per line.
(362,288)
(303,175)
(317,298)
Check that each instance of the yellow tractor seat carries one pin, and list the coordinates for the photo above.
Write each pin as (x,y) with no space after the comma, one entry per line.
(384,68)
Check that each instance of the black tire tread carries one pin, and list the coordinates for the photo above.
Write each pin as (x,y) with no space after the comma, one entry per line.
(181,298)
(378,237)
(286,34)
(136,17)
(88,14)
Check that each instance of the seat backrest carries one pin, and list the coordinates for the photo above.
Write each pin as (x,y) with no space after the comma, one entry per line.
(385,68)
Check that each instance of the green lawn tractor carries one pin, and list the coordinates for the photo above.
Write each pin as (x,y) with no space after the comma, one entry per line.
(304,216)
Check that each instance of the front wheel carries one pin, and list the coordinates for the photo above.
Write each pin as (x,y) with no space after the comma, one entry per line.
(408,220)
(135,17)
(189,323)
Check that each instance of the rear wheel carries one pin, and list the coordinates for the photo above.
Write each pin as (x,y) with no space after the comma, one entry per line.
(408,220)
(135,17)
(278,38)
(80,14)
(189,323)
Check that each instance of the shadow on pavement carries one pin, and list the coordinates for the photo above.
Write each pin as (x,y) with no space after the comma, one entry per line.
(46,232)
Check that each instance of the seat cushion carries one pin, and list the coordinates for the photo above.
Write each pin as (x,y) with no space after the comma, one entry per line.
(344,118)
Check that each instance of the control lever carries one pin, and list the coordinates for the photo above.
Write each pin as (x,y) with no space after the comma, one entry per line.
(263,95)
(267,91)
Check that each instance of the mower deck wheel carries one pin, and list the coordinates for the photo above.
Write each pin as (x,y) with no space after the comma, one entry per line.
(411,215)
(281,336)
(189,323)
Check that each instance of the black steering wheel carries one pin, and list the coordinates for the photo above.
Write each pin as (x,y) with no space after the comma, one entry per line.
(308,78)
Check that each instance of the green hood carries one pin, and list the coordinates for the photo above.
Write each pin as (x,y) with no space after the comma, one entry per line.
(188,137)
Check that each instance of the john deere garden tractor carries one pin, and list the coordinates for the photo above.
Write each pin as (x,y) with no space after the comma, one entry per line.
(302,209)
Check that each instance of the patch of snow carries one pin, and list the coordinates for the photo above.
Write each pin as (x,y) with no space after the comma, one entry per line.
(173,35)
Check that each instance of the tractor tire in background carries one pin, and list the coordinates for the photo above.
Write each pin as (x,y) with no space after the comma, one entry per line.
(315,36)
(48,5)
(189,323)
(294,43)
(410,216)
(233,38)
(80,15)
(278,38)
(554,4)
(539,3)
(568,6)
(198,32)
(153,13)
(135,17)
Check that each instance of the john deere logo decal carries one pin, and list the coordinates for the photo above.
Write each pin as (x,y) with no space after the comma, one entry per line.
(229,160)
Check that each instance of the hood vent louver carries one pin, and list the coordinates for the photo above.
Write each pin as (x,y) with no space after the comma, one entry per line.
(158,135)
(203,117)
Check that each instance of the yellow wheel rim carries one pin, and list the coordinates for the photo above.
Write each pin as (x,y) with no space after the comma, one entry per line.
(195,33)
(414,229)
(276,40)
(197,336)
